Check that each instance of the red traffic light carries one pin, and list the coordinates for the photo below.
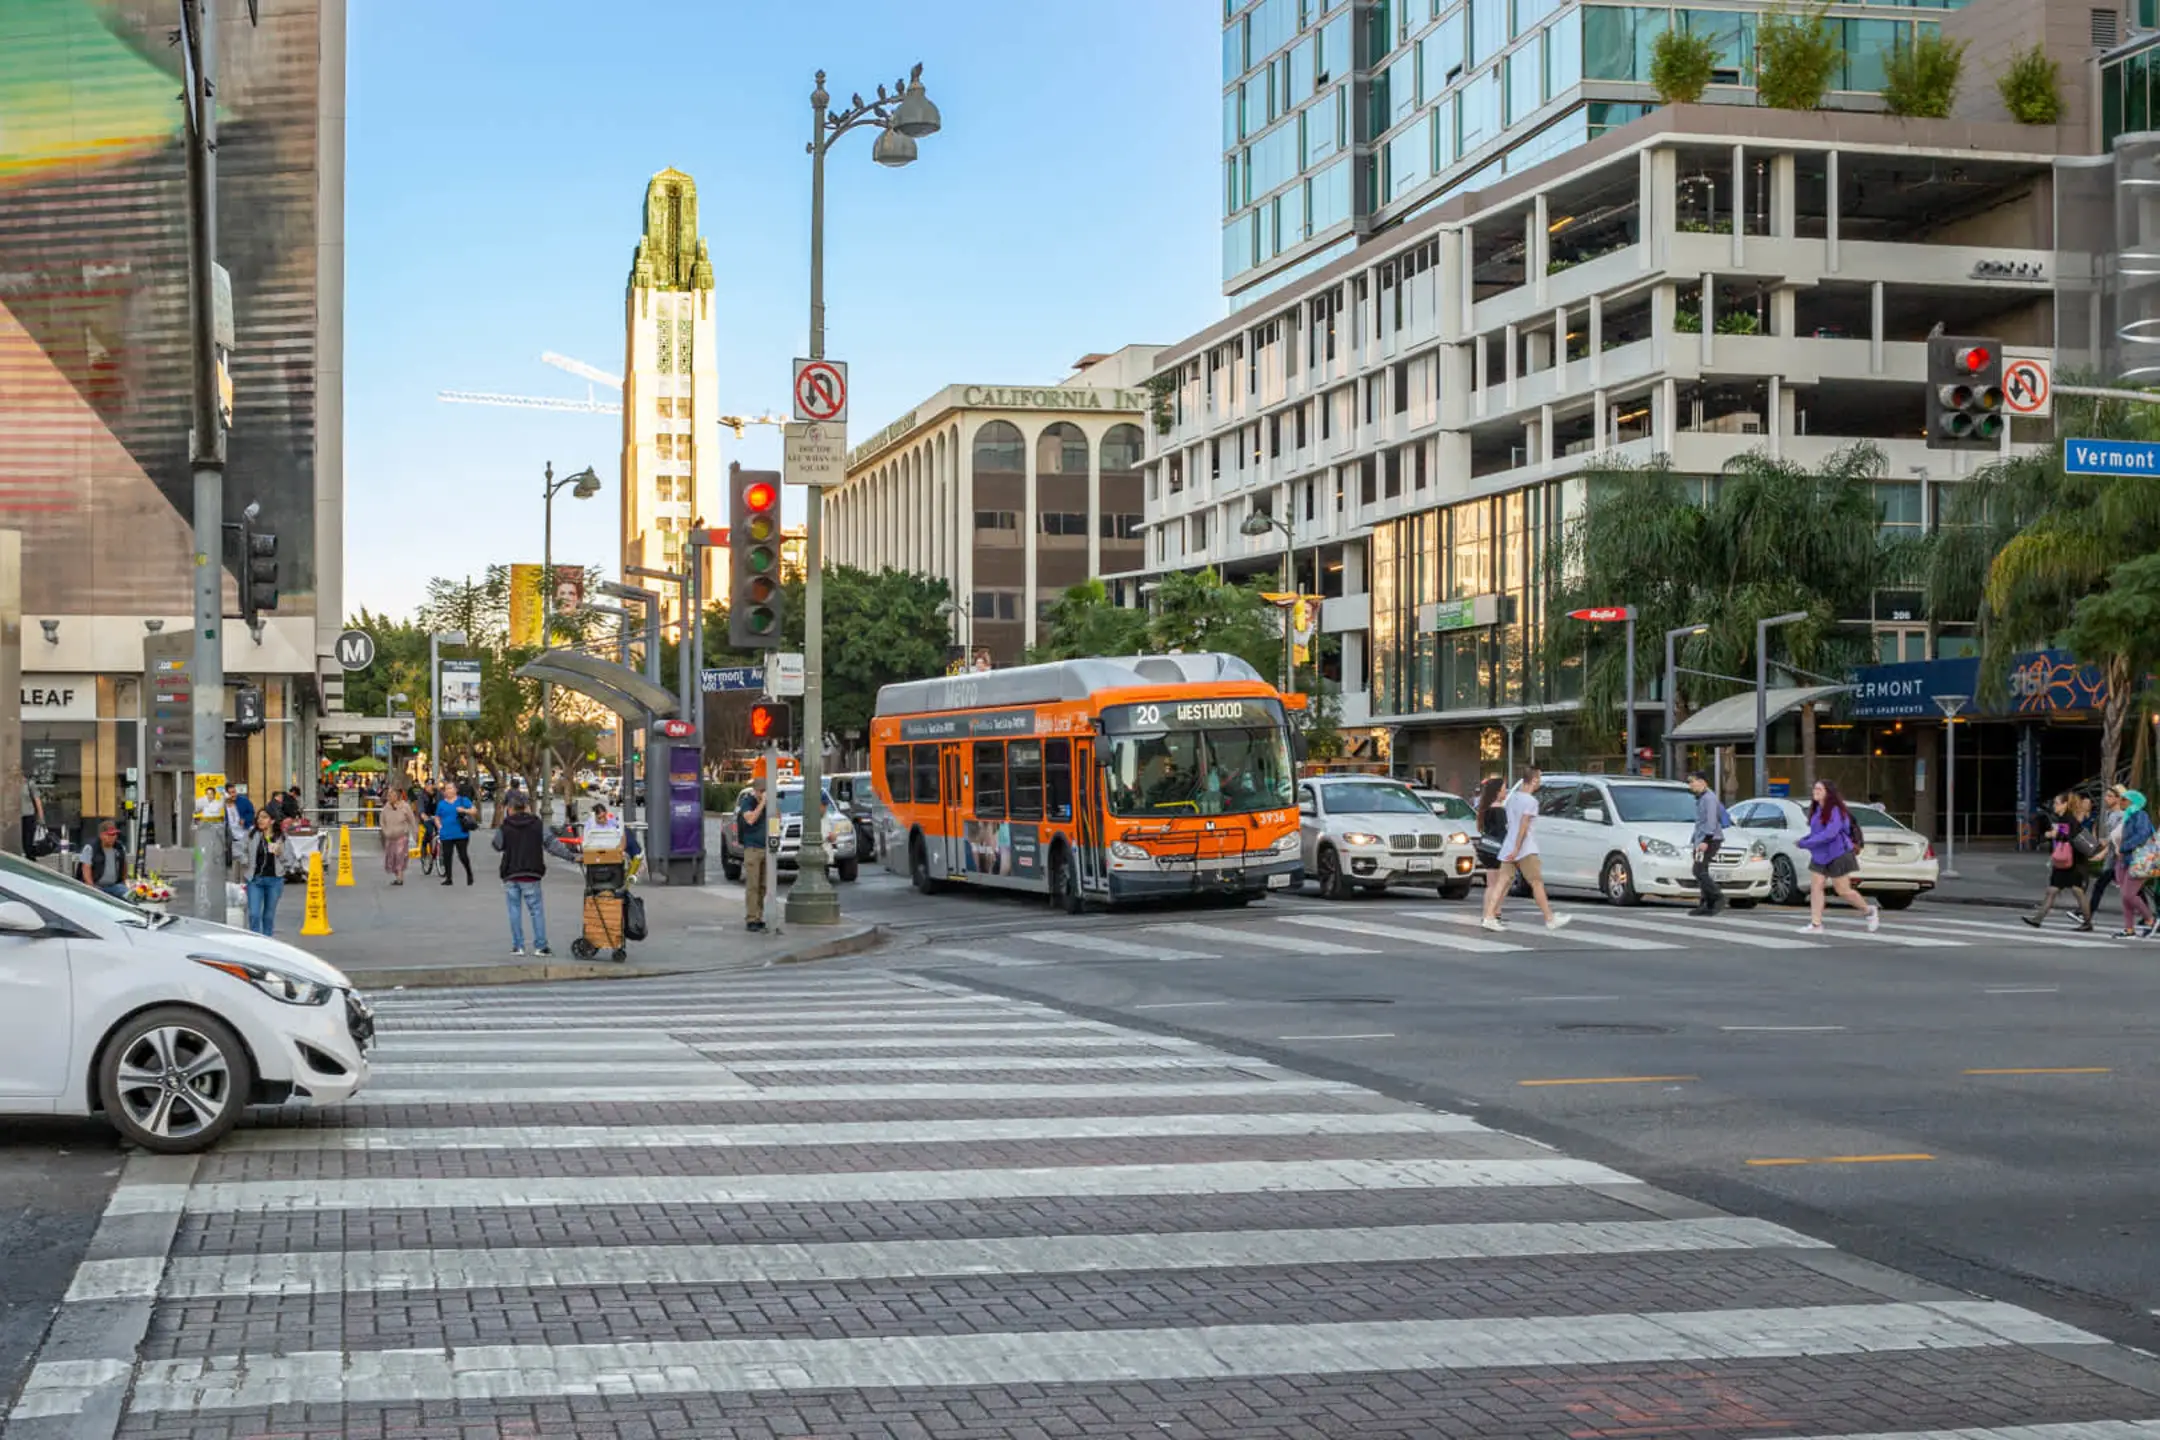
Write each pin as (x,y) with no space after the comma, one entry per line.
(1973,359)
(768,721)
(758,495)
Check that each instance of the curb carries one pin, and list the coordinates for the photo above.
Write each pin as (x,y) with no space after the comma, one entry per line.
(423,977)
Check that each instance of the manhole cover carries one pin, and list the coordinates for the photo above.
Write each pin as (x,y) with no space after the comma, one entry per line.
(1340,1000)
(1588,1027)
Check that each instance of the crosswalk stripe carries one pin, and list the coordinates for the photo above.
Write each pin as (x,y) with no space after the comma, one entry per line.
(1398,932)
(1215,1352)
(1229,1177)
(2014,933)
(846,1132)
(1230,941)
(728,1049)
(839,1094)
(832,1065)
(698,1019)
(191,1277)
(1760,940)
(400,1043)
(959,1030)
(1578,931)
(986,957)
(1848,931)
(1104,945)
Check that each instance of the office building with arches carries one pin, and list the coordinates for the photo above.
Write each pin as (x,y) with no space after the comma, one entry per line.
(1008,493)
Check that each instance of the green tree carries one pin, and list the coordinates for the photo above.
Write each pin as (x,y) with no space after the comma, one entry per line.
(880,628)
(1796,54)
(1920,80)
(1197,611)
(1681,66)
(2031,87)
(1775,537)
(1083,623)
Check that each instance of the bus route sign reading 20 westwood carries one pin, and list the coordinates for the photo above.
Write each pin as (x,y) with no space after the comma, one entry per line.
(2111,457)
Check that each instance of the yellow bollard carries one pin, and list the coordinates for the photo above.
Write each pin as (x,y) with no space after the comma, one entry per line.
(318,913)
(344,856)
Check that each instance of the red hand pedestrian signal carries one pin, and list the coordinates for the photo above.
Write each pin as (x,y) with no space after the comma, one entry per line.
(769,722)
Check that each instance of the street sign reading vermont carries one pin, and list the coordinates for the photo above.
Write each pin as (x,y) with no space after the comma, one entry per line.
(2111,457)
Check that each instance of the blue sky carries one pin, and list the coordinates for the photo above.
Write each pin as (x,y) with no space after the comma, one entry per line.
(497,156)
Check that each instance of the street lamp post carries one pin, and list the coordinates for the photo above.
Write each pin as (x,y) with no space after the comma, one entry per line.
(1672,691)
(1950,705)
(435,641)
(901,118)
(1762,694)
(1259,523)
(583,485)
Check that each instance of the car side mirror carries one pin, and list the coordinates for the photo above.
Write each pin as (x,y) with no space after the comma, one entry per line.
(1593,814)
(16,918)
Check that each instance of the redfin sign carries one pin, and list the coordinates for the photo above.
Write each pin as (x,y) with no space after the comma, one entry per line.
(1600,613)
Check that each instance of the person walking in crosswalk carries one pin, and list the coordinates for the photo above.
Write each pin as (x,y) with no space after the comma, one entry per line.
(1709,837)
(1519,856)
(1832,858)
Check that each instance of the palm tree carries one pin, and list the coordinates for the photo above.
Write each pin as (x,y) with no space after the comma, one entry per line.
(1773,537)
(2025,542)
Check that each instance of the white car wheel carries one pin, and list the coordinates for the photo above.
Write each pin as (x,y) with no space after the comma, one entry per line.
(174,1079)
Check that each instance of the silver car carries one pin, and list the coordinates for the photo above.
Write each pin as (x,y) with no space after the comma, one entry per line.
(1366,832)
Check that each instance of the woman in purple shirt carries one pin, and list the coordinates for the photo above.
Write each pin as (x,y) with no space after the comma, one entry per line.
(1831,846)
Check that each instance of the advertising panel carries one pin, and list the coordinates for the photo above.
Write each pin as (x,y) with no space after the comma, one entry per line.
(527,601)
(686,801)
(94,366)
(460,689)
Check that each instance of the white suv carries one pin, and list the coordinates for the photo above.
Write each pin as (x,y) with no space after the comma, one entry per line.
(1627,839)
(1366,832)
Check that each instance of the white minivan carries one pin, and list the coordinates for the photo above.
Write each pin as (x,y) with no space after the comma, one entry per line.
(1628,839)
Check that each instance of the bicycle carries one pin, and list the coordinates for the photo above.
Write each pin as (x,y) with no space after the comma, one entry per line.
(430,851)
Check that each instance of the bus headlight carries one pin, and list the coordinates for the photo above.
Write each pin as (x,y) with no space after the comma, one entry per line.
(1123,850)
(1288,845)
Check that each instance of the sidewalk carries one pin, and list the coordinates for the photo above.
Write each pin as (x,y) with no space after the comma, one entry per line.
(1992,872)
(424,934)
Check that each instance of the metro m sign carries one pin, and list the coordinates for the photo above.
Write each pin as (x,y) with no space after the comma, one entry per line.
(1601,614)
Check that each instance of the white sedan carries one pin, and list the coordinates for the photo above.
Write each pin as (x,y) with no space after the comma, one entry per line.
(1896,862)
(169,1027)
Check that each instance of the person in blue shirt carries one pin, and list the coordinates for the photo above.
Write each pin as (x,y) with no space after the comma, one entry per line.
(453,819)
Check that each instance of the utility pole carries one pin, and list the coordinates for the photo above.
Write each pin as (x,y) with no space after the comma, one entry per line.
(206,438)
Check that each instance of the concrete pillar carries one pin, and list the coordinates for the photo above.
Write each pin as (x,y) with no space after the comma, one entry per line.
(1784,196)
(964,511)
(1830,229)
(1559,357)
(1031,540)
(1875,329)
(1535,243)
(1094,505)
(1596,345)
(1740,205)
(1709,316)
(11,749)
(1510,363)
(1774,423)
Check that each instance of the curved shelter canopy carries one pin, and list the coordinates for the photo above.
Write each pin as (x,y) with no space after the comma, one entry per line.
(618,687)
(1733,718)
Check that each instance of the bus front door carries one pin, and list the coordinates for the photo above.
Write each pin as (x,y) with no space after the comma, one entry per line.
(1088,808)
(955,826)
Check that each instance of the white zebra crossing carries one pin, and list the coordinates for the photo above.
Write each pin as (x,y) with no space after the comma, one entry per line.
(1235,939)
(1470,943)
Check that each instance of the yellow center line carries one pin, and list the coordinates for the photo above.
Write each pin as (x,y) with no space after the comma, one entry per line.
(2048,1070)
(1843,1160)
(1614,1080)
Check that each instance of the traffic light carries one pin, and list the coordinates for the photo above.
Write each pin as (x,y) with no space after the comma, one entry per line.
(258,568)
(756,609)
(1965,398)
(769,722)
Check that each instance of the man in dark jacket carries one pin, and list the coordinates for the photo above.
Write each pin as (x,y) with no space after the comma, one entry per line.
(523,842)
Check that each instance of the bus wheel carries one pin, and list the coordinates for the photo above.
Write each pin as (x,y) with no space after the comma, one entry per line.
(1064,882)
(919,867)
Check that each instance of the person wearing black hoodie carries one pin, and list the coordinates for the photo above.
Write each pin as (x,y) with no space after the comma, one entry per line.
(523,842)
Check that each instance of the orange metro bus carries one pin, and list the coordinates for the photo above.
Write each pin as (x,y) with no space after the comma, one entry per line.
(1091,780)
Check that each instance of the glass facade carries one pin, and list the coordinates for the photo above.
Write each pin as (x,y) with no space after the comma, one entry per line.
(2126,92)
(1424,95)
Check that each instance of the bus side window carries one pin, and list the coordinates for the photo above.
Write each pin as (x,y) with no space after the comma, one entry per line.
(1026,774)
(898,760)
(926,775)
(1057,779)
(989,779)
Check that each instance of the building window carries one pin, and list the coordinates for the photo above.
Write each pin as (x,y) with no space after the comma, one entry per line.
(1063,522)
(1401,373)
(1301,427)
(1198,533)
(1061,450)
(998,447)
(1121,526)
(664,487)
(1121,448)
(664,447)
(1368,481)
(996,520)
(682,345)
(997,604)
(1392,483)
(664,407)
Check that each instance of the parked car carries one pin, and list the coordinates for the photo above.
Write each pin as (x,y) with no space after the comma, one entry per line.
(1897,863)
(840,852)
(854,794)
(168,1026)
(1366,832)
(1626,839)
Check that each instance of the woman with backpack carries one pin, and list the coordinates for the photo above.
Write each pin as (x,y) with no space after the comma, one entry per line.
(2134,831)
(2066,867)
(1831,842)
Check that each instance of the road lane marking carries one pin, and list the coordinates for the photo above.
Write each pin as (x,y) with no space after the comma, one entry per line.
(925,1064)
(2046,1070)
(1582,931)
(1562,999)
(986,957)
(1732,925)
(2023,990)
(1375,1035)
(1214,1352)
(1842,1160)
(1181,1005)
(1757,940)
(844,1132)
(1613,1080)
(1785,1029)
(1229,940)
(725,1050)
(958,1090)
(1399,932)
(191,1277)
(1228,1177)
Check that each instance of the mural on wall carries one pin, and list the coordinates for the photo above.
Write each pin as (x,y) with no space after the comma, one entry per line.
(94,369)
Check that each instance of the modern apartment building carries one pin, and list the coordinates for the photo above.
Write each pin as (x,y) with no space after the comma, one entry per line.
(671,390)
(1009,493)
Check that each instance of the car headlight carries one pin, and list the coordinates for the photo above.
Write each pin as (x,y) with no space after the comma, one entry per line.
(1663,849)
(1459,837)
(1125,850)
(1758,851)
(275,983)
(1359,837)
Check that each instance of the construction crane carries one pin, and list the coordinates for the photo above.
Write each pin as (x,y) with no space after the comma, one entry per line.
(592,404)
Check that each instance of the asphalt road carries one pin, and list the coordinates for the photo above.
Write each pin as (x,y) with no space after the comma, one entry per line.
(1842,1086)
(55,1176)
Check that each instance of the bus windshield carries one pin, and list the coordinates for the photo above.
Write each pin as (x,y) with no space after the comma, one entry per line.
(1229,771)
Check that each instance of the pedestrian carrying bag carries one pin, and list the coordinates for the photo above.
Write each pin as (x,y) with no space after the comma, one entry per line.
(2145,860)
(2063,855)
(1853,826)
(633,916)
(2084,844)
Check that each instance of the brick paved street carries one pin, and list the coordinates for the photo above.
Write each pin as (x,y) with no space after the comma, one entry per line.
(851,1203)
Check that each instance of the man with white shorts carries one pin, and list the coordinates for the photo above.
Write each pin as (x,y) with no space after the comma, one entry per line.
(1519,856)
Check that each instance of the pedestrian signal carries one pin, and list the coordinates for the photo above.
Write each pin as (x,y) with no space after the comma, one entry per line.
(756,606)
(769,722)
(1965,397)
